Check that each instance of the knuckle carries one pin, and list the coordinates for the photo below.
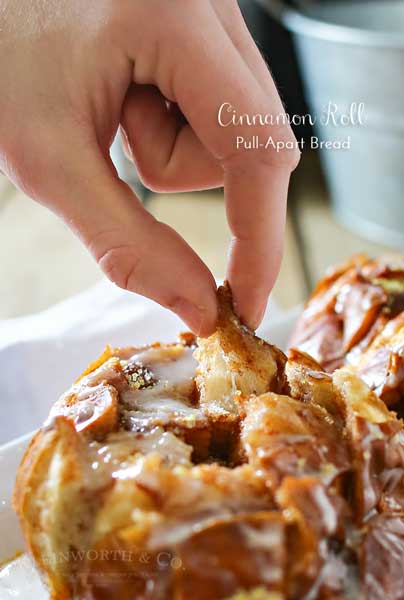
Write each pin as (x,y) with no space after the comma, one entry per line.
(295,159)
(150,181)
(121,265)
(280,150)
(294,154)
(283,151)
(154,179)
(285,158)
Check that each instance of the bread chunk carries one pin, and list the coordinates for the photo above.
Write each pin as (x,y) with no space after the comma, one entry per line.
(216,470)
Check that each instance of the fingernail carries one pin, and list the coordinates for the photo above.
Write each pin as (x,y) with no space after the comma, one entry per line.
(252,321)
(198,318)
(257,319)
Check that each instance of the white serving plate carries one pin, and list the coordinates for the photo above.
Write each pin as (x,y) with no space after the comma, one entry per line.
(18,579)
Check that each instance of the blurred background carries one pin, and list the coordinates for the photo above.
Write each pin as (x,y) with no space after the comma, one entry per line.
(341,201)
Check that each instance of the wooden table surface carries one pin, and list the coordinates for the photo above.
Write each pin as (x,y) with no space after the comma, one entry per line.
(43,263)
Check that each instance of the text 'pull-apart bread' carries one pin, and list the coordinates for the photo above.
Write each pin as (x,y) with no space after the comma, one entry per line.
(216,469)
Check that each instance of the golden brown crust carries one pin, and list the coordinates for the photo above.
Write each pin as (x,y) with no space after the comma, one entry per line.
(355,316)
(254,477)
(31,474)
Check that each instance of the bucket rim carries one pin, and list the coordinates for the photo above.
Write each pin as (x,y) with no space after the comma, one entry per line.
(299,23)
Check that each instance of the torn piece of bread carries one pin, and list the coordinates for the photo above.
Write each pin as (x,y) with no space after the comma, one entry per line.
(214,469)
(235,363)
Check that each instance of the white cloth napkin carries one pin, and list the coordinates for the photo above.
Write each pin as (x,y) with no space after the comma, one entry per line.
(41,355)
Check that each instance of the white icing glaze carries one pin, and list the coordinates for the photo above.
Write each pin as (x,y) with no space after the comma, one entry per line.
(172,366)
(173,369)
(117,457)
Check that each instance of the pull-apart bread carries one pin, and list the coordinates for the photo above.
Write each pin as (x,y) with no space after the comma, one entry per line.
(216,469)
(355,317)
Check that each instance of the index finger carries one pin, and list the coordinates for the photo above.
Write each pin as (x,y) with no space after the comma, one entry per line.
(256,170)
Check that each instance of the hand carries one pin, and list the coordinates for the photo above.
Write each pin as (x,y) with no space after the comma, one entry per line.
(73,71)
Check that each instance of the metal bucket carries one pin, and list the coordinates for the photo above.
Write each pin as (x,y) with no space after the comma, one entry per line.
(353,52)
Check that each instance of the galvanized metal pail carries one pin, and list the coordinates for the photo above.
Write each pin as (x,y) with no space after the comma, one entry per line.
(352,53)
